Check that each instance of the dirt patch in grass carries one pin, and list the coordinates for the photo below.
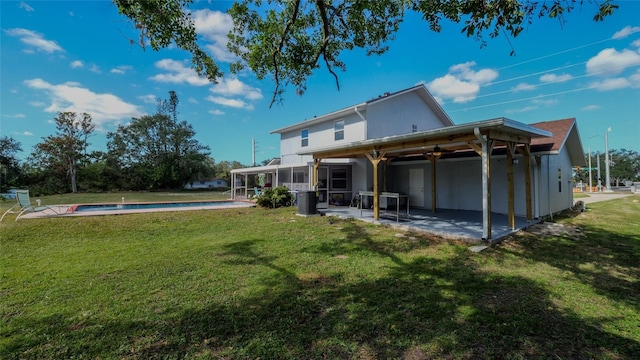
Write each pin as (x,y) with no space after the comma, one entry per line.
(553,229)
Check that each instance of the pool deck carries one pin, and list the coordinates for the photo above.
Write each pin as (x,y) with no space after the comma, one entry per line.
(67,210)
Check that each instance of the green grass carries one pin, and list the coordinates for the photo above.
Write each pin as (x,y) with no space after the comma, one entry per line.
(256,283)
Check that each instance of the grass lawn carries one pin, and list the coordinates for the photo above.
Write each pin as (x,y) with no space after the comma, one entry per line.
(255,283)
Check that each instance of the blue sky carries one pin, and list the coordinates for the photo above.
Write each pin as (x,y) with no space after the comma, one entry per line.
(77,56)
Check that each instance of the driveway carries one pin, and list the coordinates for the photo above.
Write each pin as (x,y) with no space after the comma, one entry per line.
(595,197)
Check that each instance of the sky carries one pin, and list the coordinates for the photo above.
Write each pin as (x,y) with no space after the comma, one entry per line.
(83,56)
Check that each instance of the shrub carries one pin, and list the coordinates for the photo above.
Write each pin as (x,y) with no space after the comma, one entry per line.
(275,197)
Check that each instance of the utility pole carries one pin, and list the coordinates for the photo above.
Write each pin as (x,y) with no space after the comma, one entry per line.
(598,161)
(253,152)
(606,160)
(590,185)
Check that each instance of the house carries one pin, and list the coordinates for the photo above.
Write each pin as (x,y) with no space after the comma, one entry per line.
(207,184)
(404,143)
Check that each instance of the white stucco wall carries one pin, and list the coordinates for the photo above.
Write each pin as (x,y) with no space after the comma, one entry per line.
(320,135)
(395,116)
(459,184)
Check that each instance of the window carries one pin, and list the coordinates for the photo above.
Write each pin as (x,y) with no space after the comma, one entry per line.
(305,137)
(414,128)
(338,127)
(299,177)
(559,180)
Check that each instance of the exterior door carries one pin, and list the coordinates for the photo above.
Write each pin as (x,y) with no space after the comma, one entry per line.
(416,187)
(323,188)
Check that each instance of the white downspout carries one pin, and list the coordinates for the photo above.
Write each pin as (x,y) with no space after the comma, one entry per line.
(366,127)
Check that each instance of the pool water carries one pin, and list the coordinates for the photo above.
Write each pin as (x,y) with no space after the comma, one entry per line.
(144,206)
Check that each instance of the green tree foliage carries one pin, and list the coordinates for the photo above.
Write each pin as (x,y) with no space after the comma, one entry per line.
(223,169)
(9,163)
(287,40)
(157,151)
(60,154)
(625,165)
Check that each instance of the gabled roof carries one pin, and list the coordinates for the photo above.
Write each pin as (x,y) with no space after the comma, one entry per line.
(565,135)
(420,89)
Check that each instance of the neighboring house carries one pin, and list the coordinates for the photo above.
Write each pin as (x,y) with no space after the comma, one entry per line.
(405,143)
(207,184)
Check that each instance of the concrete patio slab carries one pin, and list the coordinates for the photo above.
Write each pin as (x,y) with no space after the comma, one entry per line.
(451,224)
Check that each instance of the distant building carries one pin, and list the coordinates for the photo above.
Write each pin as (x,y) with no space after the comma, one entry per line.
(208,184)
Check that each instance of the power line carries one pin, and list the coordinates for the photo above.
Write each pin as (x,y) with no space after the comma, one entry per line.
(554,54)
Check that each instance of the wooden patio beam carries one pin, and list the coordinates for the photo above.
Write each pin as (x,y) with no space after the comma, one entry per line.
(416,144)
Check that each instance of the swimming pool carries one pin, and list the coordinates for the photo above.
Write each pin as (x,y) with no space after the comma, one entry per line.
(158,206)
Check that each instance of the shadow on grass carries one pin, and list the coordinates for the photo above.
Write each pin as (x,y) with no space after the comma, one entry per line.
(422,308)
(608,262)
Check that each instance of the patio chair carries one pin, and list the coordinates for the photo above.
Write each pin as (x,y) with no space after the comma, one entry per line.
(23,205)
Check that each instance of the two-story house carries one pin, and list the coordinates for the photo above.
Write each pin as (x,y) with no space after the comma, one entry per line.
(405,143)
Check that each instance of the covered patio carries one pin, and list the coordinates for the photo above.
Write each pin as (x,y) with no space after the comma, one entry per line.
(481,138)
(451,224)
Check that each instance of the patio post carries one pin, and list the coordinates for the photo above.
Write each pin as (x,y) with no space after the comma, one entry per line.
(487,146)
(510,186)
(526,153)
(316,165)
(433,157)
(375,159)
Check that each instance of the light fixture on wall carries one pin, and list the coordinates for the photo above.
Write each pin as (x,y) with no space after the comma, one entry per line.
(516,161)
(436,151)
(375,154)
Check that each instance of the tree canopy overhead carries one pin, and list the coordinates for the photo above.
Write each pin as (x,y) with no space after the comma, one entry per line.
(287,40)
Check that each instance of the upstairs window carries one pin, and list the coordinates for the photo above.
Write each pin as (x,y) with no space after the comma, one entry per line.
(414,128)
(338,128)
(304,134)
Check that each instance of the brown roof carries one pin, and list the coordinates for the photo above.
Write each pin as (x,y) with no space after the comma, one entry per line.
(560,130)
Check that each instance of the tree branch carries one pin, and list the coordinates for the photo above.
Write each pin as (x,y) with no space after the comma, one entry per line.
(323,48)
(278,50)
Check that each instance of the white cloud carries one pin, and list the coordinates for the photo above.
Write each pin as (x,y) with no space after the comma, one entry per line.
(95,68)
(35,40)
(626,31)
(122,69)
(213,27)
(234,103)
(523,87)
(178,74)
(591,108)
(611,62)
(26,7)
(216,112)
(37,103)
(235,87)
(553,78)
(149,98)
(77,64)
(611,84)
(14,116)
(104,108)
(461,84)
(27,133)
(636,43)
(192,100)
